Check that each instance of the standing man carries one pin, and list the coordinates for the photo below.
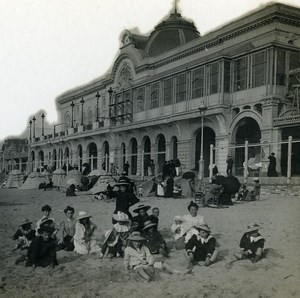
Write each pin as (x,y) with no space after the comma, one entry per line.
(229,162)
(272,166)
(126,167)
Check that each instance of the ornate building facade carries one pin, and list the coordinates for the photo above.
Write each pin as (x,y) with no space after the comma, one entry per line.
(147,107)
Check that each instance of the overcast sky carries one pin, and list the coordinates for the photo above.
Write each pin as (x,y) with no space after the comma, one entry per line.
(50,46)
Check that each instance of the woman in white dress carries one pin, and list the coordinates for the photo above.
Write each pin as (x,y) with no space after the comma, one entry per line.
(84,231)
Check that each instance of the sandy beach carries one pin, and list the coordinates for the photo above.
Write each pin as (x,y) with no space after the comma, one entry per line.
(277,275)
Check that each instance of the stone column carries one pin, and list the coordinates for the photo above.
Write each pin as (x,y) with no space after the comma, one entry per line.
(184,155)
(139,170)
(221,153)
(99,159)
(167,151)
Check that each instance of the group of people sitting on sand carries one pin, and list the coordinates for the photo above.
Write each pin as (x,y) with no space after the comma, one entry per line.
(135,238)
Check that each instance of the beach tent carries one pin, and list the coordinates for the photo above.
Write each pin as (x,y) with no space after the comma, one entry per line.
(101,184)
(47,175)
(58,177)
(75,176)
(33,181)
(15,179)
(97,173)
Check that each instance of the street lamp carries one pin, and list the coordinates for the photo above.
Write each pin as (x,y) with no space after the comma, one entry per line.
(43,118)
(30,124)
(97,107)
(202,110)
(82,102)
(72,106)
(33,119)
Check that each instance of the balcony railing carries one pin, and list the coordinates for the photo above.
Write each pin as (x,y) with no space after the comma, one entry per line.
(287,121)
(88,127)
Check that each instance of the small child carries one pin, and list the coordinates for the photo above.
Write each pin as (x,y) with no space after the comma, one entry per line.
(251,244)
(244,194)
(139,259)
(257,189)
(116,239)
(201,249)
(42,251)
(154,240)
(140,191)
(25,234)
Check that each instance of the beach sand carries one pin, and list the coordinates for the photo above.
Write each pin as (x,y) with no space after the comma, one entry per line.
(277,275)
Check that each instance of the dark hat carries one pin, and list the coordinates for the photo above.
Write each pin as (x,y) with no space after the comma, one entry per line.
(122,184)
(272,153)
(69,208)
(46,229)
(136,236)
(148,224)
(47,222)
(46,207)
(25,222)
(140,207)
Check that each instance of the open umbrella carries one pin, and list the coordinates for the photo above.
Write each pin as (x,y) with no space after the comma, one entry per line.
(188,175)
(231,184)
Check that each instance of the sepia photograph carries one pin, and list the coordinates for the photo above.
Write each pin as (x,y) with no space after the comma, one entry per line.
(150,148)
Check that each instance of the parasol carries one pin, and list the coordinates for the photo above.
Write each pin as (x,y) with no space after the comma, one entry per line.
(189,175)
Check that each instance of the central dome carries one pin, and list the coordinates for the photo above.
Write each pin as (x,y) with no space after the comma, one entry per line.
(171,33)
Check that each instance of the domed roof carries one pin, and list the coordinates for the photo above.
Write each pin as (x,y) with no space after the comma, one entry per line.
(171,33)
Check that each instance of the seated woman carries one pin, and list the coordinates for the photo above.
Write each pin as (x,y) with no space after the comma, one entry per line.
(67,228)
(42,251)
(190,220)
(84,231)
(154,240)
(142,216)
(71,191)
(46,220)
(116,239)
(201,248)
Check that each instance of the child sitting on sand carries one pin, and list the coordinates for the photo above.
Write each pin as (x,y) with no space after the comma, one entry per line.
(154,217)
(139,259)
(116,239)
(251,244)
(84,231)
(201,249)
(42,251)
(25,234)
(154,240)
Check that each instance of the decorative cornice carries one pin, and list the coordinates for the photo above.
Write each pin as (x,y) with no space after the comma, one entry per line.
(270,101)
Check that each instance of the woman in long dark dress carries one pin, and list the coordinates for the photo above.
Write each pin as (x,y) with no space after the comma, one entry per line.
(272,166)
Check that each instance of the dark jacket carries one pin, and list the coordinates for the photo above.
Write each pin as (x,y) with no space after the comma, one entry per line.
(154,241)
(41,253)
(257,242)
(201,250)
(140,221)
(124,200)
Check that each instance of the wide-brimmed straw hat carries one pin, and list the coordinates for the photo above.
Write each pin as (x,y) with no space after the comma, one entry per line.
(140,207)
(83,214)
(121,216)
(136,236)
(252,227)
(148,224)
(203,226)
(25,222)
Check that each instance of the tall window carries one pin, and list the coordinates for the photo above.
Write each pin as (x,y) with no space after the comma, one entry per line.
(154,95)
(294,63)
(214,78)
(127,102)
(168,91)
(140,99)
(181,87)
(198,82)
(226,87)
(259,69)
(90,116)
(240,74)
(280,73)
(120,104)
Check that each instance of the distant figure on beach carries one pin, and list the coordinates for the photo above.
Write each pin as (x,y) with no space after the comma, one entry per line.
(126,167)
(201,248)
(71,191)
(84,231)
(272,166)
(229,162)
